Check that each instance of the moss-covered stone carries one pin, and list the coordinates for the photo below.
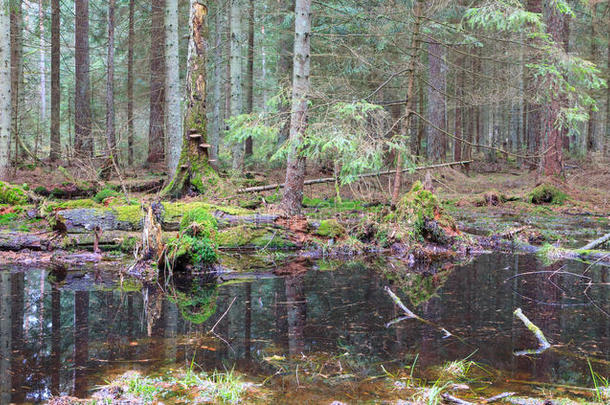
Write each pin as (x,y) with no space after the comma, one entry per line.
(547,194)
(11,194)
(131,214)
(330,228)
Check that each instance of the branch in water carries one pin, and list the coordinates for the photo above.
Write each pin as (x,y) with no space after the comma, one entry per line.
(543,343)
(402,306)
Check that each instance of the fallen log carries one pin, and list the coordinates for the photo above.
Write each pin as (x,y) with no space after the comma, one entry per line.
(15,241)
(597,242)
(258,189)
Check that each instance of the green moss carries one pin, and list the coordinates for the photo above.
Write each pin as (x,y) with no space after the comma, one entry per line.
(10,194)
(549,254)
(547,194)
(129,213)
(189,250)
(174,211)
(105,193)
(201,222)
(198,303)
(128,244)
(330,228)
(7,219)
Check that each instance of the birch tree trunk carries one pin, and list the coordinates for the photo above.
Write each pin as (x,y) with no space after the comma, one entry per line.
(110,118)
(83,143)
(16,63)
(55,144)
(236,78)
(130,42)
(193,168)
(172,58)
(295,170)
(5,88)
(250,72)
(156,135)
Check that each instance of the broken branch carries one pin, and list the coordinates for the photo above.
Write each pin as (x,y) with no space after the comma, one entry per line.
(543,343)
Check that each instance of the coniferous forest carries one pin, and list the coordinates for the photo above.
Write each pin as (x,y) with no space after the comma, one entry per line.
(297,201)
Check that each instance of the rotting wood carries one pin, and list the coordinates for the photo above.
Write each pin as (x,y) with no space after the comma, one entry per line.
(597,242)
(332,179)
(542,342)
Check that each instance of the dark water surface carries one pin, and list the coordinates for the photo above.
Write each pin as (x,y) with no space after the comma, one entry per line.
(67,337)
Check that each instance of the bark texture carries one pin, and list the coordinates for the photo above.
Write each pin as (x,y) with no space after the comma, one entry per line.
(174,115)
(16,63)
(5,91)
(250,72)
(130,42)
(110,118)
(236,77)
(193,172)
(156,132)
(436,100)
(295,170)
(55,152)
(284,67)
(83,143)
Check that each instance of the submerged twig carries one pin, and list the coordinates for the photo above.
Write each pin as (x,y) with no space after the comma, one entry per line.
(223,315)
(543,343)
(402,306)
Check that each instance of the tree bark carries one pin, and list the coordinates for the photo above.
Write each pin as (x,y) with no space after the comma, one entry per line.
(5,91)
(592,144)
(156,133)
(216,89)
(193,168)
(110,118)
(43,74)
(284,65)
(436,100)
(552,159)
(174,114)
(295,171)
(406,124)
(236,78)
(459,92)
(55,144)
(130,44)
(83,143)
(16,63)
(250,72)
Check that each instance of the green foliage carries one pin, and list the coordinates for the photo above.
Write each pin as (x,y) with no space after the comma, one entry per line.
(201,222)
(190,250)
(547,194)
(13,195)
(105,193)
(7,219)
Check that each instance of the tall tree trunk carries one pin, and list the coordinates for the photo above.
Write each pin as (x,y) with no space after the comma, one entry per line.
(110,125)
(174,115)
(552,159)
(43,74)
(156,135)
(5,92)
(459,93)
(295,170)
(6,298)
(16,63)
(406,123)
(436,100)
(55,144)
(607,140)
(216,87)
(284,66)
(592,144)
(130,44)
(236,78)
(193,168)
(81,342)
(227,112)
(250,72)
(83,143)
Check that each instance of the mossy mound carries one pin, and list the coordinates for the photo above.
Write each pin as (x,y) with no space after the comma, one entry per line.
(197,303)
(11,194)
(199,222)
(547,194)
(422,211)
(105,193)
(330,228)
(189,251)
(246,236)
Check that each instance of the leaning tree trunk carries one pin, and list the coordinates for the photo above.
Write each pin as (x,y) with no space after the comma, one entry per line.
(55,152)
(172,64)
(5,89)
(295,170)
(193,168)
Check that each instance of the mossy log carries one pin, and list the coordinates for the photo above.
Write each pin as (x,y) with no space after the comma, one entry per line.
(15,241)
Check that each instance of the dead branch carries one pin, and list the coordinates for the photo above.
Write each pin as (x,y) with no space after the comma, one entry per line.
(543,343)
(597,242)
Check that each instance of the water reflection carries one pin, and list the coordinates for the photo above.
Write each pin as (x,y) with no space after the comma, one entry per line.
(65,336)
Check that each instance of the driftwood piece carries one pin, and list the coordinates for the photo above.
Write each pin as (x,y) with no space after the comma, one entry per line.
(542,342)
(597,242)
(258,189)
